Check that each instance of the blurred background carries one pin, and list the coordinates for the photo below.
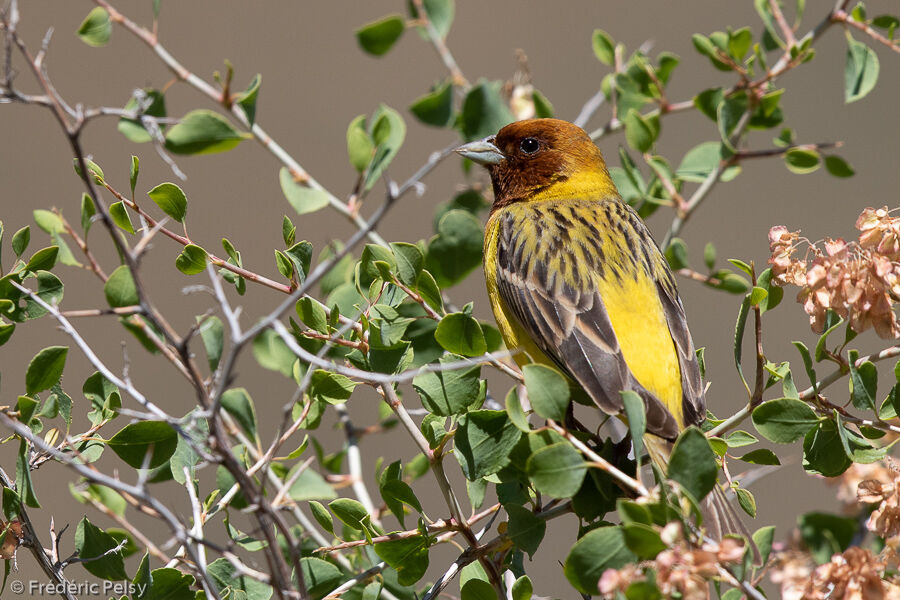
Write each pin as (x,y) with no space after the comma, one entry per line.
(315,80)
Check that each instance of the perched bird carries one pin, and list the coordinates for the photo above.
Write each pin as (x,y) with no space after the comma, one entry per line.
(576,281)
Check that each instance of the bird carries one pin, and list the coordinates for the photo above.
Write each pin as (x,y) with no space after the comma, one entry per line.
(576,281)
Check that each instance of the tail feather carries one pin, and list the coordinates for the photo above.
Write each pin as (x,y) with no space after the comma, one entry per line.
(719,516)
(721,519)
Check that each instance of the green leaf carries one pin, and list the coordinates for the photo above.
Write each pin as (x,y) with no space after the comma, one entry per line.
(556,470)
(394,492)
(526,529)
(388,130)
(693,463)
(760,456)
(728,115)
(378,37)
(49,289)
(20,240)
(739,337)
(801,160)
(705,46)
(45,369)
(448,392)
(309,485)
(459,333)
(147,102)
(329,387)
(637,419)
(677,254)
(484,111)
(483,442)
(774,293)
(860,71)
(436,107)
(784,420)
(91,542)
(132,179)
(24,485)
(457,248)
(93,170)
(707,102)
(96,28)
(133,442)
(428,288)
(272,353)
(103,396)
(48,221)
(239,405)
(600,549)
(322,516)
(119,215)
(639,133)
(409,557)
(515,411)
(823,451)
(825,534)
(709,255)
(202,132)
(119,289)
(43,260)
(169,584)
(763,537)
(439,12)
(170,199)
(192,260)
(303,198)
(410,262)
(312,314)
(360,147)
(863,384)
(350,512)
(548,391)
(247,98)
(185,456)
(740,438)
(212,334)
(604,47)
(522,589)
(746,501)
(225,575)
(26,406)
(838,167)
(643,540)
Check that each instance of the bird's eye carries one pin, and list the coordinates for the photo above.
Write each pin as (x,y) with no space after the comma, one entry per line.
(529,145)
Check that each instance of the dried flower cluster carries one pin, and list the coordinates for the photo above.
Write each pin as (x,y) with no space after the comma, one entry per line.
(681,571)
(858,280)
(884,520)
(857,574)
(849,481)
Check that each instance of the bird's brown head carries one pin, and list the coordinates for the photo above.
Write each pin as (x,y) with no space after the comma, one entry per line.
(541,159)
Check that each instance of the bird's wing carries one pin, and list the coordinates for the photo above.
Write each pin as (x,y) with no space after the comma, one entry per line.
(693,399)
(570,324)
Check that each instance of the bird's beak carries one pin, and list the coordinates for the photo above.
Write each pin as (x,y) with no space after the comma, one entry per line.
(483,152)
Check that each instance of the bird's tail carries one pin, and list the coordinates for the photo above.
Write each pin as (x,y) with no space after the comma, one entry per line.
(719,516)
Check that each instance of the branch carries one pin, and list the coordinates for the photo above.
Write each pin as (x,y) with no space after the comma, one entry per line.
(810,393)
(296,170)
(53,570)
(600,462)
(440,46)
(842,16)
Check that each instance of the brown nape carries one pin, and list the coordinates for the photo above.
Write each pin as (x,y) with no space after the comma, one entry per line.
(563,149)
